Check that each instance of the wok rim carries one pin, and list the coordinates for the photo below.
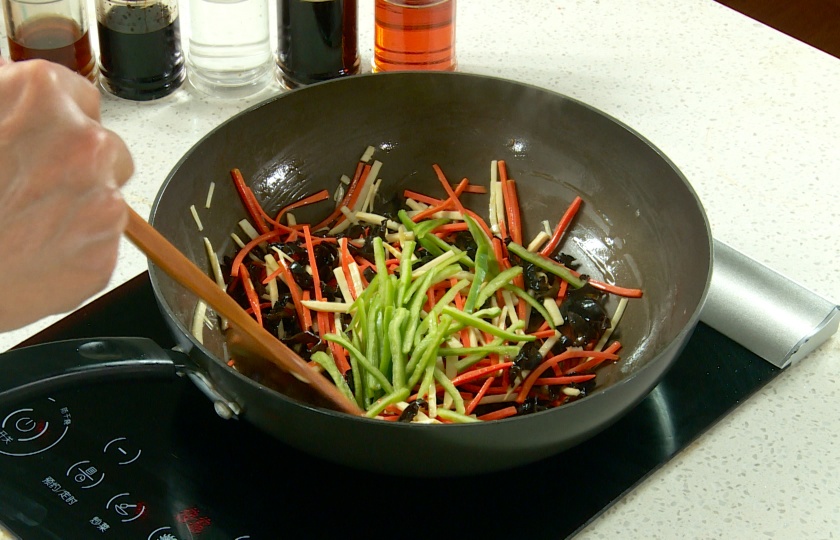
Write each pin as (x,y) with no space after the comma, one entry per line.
(677,341)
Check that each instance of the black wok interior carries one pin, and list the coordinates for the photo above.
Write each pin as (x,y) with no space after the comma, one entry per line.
(641,224)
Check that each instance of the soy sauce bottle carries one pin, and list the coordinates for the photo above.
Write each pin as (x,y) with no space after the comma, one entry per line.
(317,40)
(140,48)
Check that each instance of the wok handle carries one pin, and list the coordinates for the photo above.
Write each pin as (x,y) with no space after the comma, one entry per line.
(769,314)
(51,366)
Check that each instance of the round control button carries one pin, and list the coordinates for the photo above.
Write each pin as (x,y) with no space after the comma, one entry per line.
(34,429)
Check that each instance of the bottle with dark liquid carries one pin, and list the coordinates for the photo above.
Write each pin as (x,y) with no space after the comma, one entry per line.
(55,31)
(414,35)
(140,48)
(317,40)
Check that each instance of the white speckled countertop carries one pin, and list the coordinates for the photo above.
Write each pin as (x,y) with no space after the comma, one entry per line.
(752,117)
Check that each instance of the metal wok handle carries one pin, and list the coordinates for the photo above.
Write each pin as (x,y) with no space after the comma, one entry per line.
(774,317)
(44,367)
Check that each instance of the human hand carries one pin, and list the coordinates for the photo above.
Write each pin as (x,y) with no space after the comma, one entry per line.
(61,210)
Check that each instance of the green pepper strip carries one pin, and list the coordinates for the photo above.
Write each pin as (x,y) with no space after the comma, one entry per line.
(405,272)
(428,356)
(504,278)
(450,389)
(533,302)
(481,239)
(485,326)
(344,342)
(453,416)
(326,361)
(371,349)
(395,342)
(480,273)
(546,264)
(419,298)
(468,361)
(421,230)
(380,404)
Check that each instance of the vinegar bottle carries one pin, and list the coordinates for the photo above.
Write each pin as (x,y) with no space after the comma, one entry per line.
(316,40)
(56,31)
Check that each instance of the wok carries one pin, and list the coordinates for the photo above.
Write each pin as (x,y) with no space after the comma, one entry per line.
(641,226)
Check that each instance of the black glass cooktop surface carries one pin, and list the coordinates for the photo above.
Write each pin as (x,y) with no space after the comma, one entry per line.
(148,458)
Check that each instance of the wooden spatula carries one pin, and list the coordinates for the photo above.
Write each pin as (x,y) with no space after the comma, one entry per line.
(250,335)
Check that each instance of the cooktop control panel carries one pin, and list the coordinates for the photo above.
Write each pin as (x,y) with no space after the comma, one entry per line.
(86,463)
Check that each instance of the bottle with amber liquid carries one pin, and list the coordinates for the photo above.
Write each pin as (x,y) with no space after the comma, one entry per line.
(54,30)
(317,40)
(414,35)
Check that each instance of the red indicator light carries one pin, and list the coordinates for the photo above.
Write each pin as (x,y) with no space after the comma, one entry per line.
(193,519)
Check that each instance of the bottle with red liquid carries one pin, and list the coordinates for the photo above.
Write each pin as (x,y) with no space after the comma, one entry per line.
(54,30)
(414,35)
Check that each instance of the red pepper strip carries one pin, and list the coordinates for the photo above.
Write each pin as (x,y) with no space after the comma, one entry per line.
(592,363)
(479,373)
(561,292)
(574,353)
(481,392)
(442,206)
(294,290)
(250,202)
(543,334)
(498,415)
(494,390)
(350,197)
(562,225)
(240,257)
(311,199)
(570,379)
(253,299)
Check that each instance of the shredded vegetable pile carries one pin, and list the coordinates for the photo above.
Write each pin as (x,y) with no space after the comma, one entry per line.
(425,312)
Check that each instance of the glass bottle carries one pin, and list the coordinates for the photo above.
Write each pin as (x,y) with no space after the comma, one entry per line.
(414,35)
(54,30)
(316,40)
(229,52)
(140,48)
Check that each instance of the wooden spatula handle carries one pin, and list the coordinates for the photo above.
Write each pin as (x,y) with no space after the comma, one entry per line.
(167,257)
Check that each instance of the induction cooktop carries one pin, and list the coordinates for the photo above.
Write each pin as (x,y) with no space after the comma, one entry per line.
(147,458)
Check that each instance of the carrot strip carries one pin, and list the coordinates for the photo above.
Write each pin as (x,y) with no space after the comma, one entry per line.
(249,200)
(616,290)
(514,214)
(311,199)
(480,394)
(419,197)
(442,206)
(240,257)
(498,415)
(479,373)
(350,197)
(449,191)
(295,291)
(476,188)
(449,228)
(562,225)
(307,315)
(592,363)
(570,379)
(573,353)
(253,299)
